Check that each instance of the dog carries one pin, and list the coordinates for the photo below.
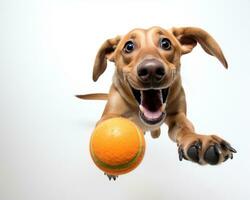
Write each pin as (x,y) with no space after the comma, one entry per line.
(147,87)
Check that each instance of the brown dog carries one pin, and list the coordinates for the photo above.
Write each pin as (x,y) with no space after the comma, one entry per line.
(147,87)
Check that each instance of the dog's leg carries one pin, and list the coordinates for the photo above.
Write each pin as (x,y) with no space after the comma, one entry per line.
(156,133)
(201,149)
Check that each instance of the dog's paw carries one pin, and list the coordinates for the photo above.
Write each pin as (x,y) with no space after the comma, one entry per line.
(204,149)
(111,176)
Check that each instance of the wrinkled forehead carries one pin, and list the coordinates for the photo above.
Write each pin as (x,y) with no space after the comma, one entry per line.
(147,35)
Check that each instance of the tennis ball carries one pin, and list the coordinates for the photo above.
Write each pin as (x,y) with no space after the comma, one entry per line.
(117,146)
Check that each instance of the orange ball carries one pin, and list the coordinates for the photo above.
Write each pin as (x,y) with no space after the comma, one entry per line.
(117,146)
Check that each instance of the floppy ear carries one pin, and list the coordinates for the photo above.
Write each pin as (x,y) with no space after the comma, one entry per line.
(105,52)
(189,36)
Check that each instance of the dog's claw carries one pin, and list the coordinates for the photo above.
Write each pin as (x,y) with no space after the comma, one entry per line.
(232,149)
(193,152)
(211,155)
(181,154)
(111,176)
(180,151)
(228,146)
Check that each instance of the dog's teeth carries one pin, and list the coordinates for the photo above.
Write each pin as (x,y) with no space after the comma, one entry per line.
(141,108)
(141,92)
(161,97)
(163,107)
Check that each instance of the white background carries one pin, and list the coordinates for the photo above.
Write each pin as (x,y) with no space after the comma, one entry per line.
(47,50)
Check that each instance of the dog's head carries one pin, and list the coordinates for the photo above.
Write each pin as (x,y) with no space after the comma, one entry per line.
(148,62)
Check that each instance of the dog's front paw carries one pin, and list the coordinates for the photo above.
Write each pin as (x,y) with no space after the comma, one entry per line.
(204,149)
(111,176)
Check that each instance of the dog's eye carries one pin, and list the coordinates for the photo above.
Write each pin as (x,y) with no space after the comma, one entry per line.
(165,44)
(129,47)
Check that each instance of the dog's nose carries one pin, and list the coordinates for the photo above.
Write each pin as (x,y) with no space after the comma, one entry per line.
(151,70)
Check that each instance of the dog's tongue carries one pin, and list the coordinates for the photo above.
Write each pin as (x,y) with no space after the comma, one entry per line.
(151,115)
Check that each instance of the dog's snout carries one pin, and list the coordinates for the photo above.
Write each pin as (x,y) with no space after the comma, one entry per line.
(151,70)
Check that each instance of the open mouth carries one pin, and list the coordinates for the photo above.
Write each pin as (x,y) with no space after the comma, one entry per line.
(152,104)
